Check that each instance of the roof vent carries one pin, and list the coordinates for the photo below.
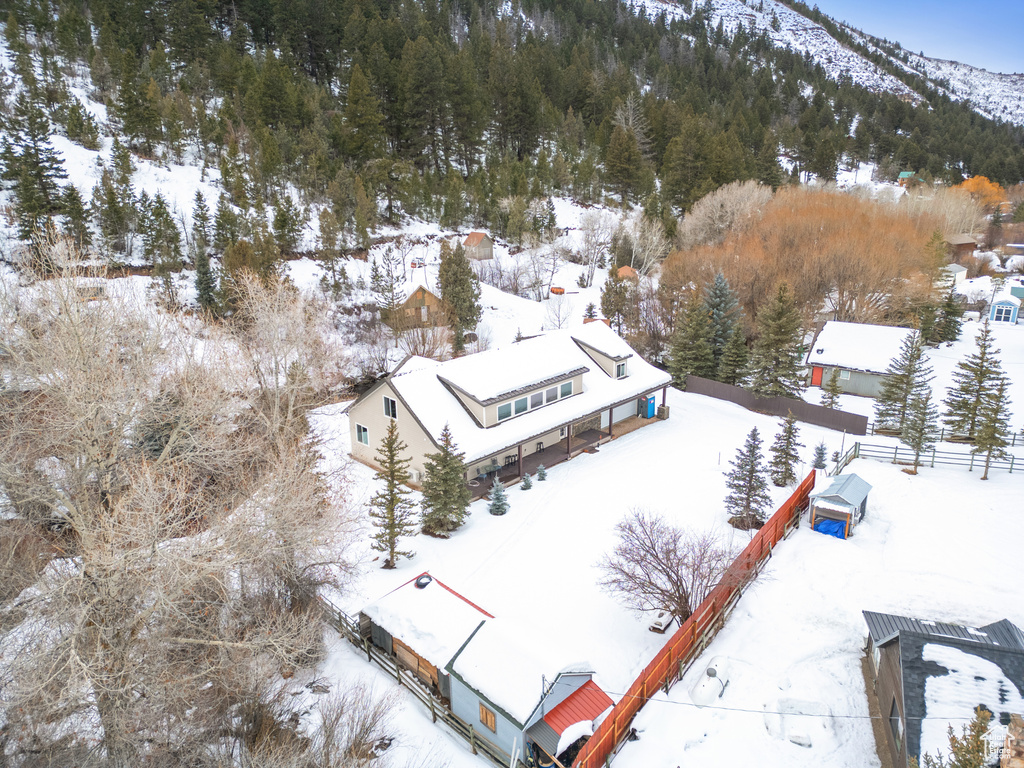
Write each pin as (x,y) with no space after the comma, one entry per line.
(423,580)
(819,350)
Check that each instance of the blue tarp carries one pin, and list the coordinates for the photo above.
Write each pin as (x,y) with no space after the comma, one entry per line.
(835,528)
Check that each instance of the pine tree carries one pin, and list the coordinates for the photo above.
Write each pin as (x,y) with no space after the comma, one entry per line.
(785,455)
(446,496)
(161,244)
(993,429)
(748,497)
(968,750)
(774,368)
(460,290)
(115,203)
(497,500)
(734,358)
(819,456)
(723,314)
(527,482)
(542,473)
(691,351)
(831,391)
(206,282)
(364,133)
(973,379)
(33,165)
(615,298)
(623,163)
(949,322)
(590,313)
(76,217)
(386,282)
(921,426)
(907,375)
(390,508)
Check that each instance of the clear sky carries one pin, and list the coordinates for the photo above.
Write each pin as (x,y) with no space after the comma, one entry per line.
(988,35)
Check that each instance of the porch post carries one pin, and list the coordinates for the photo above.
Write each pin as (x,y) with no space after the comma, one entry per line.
(663,391)
(568,439)
(519,461)
(610,424)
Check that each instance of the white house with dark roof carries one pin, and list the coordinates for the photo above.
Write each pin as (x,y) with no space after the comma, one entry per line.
(861,353)
(510,409)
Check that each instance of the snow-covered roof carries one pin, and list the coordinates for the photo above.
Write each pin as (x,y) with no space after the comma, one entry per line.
(858,346)
(408,289)
(1005,297)
(512,368)
(954,268)
(850,489)
(433,620)
(493,664)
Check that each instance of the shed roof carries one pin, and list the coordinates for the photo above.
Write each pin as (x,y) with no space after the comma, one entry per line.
(585,703)
(883,627)
(962,239)
(954,268)
(435,621)
(474,239)
(906,174)
(858,346)
(848,488)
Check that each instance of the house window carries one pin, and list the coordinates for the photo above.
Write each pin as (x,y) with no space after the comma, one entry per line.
(487,719)
(620,371)
(537,400)
(504,411)
(566,389)
(844,374)
(390,407)
(521,405)
(362,434)
(1003,314)
(896,725)
(551,395)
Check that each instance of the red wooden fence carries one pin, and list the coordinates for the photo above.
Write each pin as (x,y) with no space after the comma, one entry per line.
(695,633)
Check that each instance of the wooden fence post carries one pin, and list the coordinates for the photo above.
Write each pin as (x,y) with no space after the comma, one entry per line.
(933,458)
(472,739)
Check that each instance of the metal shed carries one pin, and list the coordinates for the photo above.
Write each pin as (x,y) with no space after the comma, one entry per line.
(836,510)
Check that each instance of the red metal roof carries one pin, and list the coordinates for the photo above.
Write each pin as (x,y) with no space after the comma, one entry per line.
(585,703)
(474,239)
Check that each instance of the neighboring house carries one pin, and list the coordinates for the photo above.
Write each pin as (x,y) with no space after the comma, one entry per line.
(906,178)
(929,676)
(470,661)
(838,509)
(478,246)
(538,401)
(421,309)
(860,352)
(628,273)
(961,245)
(1005,306)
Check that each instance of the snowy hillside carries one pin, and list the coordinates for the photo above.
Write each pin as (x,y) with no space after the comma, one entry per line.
(993,94)
(789,29)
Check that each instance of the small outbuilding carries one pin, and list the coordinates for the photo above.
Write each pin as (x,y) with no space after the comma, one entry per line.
(836,510)
(478,246)
(1005,307)
(961,245)
(860,354)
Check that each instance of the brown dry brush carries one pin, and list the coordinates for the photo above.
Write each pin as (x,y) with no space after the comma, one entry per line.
(864,258)
(185,521)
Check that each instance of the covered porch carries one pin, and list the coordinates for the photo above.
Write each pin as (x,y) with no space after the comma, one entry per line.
(584,435)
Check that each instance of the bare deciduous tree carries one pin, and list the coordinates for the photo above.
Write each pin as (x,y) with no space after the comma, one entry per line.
(730,208)
(188,519)
(658,566)
(595,237)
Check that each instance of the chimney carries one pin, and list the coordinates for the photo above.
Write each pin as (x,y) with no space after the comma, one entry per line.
(1013,749)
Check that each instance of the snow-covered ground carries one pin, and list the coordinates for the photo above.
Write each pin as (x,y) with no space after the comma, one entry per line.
(993,94)
(937,546)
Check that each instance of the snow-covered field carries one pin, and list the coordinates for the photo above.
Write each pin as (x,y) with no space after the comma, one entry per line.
(936,546)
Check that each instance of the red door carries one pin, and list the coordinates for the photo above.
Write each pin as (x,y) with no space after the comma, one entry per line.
(816,376)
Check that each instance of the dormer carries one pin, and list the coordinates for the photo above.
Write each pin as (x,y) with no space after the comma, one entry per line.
(615,366)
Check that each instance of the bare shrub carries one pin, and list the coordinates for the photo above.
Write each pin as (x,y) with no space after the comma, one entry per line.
(953,208)
(658,566)
(434,342)
(731,208)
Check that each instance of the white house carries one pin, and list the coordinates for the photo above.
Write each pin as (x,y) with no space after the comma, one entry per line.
(860,352)
(510,409)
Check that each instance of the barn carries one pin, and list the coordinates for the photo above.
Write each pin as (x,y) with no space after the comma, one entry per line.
(837,510)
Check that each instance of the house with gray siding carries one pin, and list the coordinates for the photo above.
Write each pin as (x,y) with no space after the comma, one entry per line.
(537,401)
(859,352)
(929,675)
(469,660)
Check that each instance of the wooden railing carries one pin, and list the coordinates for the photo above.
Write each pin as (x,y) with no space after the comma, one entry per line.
(695,633)
(349,628)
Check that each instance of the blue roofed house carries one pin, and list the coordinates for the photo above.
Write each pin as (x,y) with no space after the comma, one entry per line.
(469,660)
(930,675)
